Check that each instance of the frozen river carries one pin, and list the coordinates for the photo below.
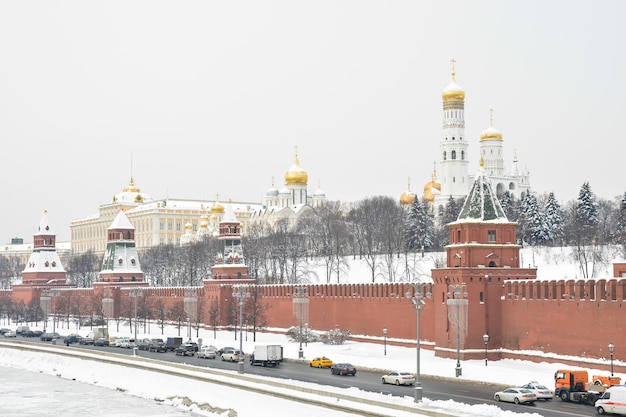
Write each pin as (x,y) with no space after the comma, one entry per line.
(29,394)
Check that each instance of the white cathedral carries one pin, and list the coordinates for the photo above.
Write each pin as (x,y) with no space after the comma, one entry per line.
(455,179)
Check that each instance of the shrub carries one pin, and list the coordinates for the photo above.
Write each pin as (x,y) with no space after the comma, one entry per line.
(335,337)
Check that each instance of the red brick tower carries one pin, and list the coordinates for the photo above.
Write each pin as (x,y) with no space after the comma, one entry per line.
(482,254)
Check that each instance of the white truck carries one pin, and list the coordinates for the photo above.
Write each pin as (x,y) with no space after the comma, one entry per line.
(613,401)
(267,355)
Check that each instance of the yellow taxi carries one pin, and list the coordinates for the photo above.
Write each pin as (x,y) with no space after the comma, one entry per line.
(321,362)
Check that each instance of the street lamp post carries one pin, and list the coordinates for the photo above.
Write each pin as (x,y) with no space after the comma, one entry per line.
(301,301)
(385,336)
(457,295)
(135,293)
(417,300)
(240,293)
(191,304)
(611,350)
(486,340)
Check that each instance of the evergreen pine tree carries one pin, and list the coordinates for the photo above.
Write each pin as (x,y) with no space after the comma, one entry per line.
(554,220)
(419,226)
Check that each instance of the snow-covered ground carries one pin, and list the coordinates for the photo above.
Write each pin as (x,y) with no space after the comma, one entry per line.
(187,395)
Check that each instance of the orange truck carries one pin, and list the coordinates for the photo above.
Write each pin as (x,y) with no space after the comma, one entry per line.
(574,385)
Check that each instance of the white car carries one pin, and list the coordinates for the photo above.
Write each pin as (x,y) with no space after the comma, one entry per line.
(10,333)
(541,391)
(207,352)
(398,378)
(232,355)
(516,395)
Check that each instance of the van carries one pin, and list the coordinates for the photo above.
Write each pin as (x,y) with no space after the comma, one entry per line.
(612,401)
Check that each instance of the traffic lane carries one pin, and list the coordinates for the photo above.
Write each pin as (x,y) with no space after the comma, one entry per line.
(459,391)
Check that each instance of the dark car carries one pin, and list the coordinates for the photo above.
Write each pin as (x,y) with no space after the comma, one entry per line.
(103,341)
(73,338)
(157,345)
(224,349)
(343,369)
(47,337)
(186,349)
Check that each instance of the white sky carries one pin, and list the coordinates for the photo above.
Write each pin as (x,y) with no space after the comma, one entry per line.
(509,372)
(213,97)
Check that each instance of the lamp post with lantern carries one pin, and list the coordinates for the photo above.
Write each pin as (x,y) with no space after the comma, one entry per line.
(457,296)
(611,350)
(486,340)
(417,301)
(385,338)
(240,293)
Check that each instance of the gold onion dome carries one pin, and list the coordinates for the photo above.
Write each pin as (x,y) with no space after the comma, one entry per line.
(408,197)
(491,132)
(453,92)
(296,175)
(432,188)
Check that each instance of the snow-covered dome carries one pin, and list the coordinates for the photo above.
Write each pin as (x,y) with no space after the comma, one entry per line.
(284,192)
(217,208)
(131,194)
(296,175)
(491,133)
(407,198)
(453,92)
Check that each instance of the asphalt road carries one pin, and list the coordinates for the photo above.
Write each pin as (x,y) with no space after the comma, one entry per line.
(370,380)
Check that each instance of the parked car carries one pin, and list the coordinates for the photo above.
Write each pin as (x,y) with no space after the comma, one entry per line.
(321,362)
(398,378)
(207,352)
(48,337)
(103,341)
(4,330)
(10,333)
(143,344)
(186,349)
(541,391)
(343,369)
(516,395)
(72,338)
(157,345)
(224,349)
(232,355)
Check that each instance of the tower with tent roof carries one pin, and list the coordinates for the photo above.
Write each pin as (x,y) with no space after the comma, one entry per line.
(482,254)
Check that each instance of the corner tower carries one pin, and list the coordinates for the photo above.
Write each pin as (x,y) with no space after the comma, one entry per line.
(453,146)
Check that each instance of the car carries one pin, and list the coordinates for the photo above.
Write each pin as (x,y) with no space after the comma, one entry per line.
(516,395)
(343,369)
(186,349)
(224,349)
(232,355)
(157,345)
(541,391)
(86,341)
(4,330)
(48,337)
(143,344)
(10,333)
(207,352)
(103,341)
(398,378)
(72,338)
(321,362)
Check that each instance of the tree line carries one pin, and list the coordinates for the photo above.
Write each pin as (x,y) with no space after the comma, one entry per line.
(378,231)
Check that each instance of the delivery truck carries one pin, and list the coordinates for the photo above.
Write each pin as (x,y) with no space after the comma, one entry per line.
(267,355)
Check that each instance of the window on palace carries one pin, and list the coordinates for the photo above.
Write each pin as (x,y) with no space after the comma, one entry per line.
(178,226)
(169,225)
(491,235)
(161,226)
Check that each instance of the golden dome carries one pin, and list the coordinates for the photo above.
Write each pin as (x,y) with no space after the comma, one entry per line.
(217,208)
(491,132)
(408,197)
(432,188)
(188,226)
(453,91)
(296,175)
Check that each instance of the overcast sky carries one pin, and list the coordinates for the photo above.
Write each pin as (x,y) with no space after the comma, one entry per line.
(208,97)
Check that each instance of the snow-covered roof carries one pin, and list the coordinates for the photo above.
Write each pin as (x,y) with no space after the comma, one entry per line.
(481,204)
(121,222)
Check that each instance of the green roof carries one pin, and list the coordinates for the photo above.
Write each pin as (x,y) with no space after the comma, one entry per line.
(481,203)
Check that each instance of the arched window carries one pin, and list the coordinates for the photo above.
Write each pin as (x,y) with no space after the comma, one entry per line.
(453,155)
(462,155)
(445,156)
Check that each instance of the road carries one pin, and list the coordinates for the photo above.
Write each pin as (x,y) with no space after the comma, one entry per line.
(433,388)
